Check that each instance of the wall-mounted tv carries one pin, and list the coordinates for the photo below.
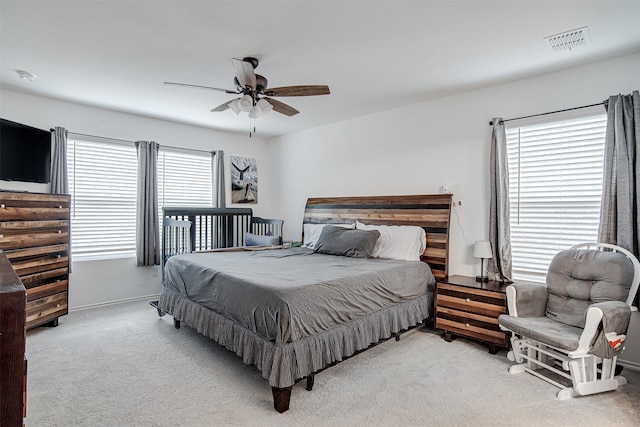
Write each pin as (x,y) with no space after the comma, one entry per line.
(25,153)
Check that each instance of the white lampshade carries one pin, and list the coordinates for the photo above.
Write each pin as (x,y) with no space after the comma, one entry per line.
(234,106)
(255,112)
(245,103)
(482,249)
(265,106)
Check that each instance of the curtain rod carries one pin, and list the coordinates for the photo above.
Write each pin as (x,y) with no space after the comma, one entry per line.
(553,112)
(120,141)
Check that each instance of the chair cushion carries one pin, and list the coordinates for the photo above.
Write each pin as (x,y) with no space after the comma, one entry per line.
(579,277)
(543,329)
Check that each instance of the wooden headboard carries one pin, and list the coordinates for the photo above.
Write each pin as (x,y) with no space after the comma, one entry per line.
(432,212)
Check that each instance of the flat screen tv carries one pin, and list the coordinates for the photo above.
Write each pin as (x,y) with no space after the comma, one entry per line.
(25,153)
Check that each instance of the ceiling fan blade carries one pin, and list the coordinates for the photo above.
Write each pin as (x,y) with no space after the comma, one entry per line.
(201,87)
(244,73)
(221,107)
(282,108)
(298,90)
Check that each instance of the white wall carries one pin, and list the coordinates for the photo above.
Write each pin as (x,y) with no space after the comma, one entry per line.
(104,281)
(418,148)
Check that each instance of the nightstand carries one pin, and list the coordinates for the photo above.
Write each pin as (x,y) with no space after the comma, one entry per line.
(468,308)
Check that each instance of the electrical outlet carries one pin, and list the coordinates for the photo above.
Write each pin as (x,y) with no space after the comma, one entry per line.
(154,271)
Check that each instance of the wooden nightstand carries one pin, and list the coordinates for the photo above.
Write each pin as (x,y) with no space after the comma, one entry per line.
(468,308)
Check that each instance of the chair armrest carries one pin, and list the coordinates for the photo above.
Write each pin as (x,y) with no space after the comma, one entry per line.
(614,317)
(526,300)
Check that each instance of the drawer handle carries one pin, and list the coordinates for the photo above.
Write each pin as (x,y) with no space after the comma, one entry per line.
(466,325)
(1,236)
(59,231)
(59,256)
(2,206)
(60,207)
(468,299)
(57,305)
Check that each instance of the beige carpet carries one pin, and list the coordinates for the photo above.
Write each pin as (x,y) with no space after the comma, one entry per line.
(122,365)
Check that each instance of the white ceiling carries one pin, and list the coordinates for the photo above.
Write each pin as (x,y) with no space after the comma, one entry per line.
(374,55)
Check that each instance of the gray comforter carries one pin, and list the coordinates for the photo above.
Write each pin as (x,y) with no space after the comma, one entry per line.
(284,295)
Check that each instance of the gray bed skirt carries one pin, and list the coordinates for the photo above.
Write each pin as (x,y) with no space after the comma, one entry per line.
(282,365)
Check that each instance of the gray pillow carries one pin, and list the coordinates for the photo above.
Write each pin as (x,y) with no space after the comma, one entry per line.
(346,242)
(251,239)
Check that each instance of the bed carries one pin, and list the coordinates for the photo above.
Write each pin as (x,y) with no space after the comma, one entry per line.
(294,312)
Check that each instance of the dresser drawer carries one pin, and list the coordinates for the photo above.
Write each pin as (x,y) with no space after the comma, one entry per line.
(25,213)
(33,239)
(37,265)
(47,288)
(35,279)
(45,309)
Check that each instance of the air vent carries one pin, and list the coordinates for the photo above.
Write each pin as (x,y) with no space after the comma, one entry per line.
(569,39)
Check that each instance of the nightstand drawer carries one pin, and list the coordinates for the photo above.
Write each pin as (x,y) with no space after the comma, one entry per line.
(460,316)
(467,329)
(467,303)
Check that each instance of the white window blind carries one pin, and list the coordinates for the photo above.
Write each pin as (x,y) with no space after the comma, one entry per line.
(102,182)
(555,187)
(184,179)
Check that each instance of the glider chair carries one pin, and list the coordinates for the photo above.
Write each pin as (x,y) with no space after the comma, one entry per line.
(576,326)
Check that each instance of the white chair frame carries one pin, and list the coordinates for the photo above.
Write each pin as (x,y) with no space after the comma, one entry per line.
(588,374)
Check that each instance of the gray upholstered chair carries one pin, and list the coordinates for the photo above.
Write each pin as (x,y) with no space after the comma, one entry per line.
(576,326)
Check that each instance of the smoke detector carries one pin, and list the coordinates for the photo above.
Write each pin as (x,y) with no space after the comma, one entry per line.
(569,39)
(25,75)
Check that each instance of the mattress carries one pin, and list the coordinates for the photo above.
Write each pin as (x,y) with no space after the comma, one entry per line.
(286,295)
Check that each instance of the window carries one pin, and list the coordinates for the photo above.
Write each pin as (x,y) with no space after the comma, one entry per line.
(103,185)
(555,187)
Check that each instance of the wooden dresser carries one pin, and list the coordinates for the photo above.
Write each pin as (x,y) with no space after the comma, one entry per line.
(468,308)
(13,364)
(34,235)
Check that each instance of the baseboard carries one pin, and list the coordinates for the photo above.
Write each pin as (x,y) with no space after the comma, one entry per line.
(629,365)
(120,301)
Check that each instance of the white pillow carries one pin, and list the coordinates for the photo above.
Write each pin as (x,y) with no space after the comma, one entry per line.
(402,242)
(312,233)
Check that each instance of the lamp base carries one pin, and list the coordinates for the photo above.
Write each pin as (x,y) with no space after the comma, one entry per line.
(482,279)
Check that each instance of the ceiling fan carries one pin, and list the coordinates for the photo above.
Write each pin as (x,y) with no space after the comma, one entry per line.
(256,96)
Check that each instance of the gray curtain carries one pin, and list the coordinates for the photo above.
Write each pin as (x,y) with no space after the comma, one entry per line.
(217,174)
(59,177)
(499,267)
(619,222)
(147,228)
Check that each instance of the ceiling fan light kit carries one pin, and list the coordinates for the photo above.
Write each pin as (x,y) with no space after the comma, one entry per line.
(255,98)
(264,106)
(234,106)
(245,103)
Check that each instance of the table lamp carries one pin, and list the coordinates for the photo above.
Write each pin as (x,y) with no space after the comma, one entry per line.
(482,250)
